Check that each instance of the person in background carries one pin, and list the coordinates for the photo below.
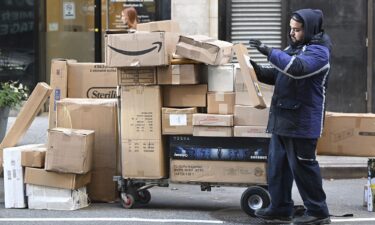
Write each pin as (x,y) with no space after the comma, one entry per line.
(300,74)
(129,17)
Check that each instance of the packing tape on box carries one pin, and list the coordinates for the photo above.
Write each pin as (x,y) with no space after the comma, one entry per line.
(223,108)
(219,97)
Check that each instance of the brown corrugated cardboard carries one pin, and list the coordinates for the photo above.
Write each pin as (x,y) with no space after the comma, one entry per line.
(178,74)
(242,96)
(210,131)
(91,80)
(251,131)
(204,49)
(34,157)
(136,76)
(177,121)
(143,159)
(185,96)
(202,119)
(250,116)
(220,78)
(138,49)
(249,76)
(218,172)
(69,150)
(59,180)
(164,25)
(99,115)
(220,102)
(348,134)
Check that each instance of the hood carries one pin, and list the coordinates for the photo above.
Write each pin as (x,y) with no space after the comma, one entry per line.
(312,22)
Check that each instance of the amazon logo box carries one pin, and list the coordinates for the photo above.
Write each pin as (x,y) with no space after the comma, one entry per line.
(139,49)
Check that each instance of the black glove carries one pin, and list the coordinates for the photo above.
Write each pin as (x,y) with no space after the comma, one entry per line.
(256,67)
(262,48)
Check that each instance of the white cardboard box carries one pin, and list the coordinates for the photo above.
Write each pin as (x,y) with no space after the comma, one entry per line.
(220,78)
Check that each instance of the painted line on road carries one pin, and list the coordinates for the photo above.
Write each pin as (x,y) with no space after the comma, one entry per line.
(352,220)
(134,219)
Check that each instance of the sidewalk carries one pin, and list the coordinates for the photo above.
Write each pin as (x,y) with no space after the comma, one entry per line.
(332,167)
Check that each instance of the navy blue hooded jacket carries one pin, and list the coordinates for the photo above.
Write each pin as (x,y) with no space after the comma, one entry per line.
(300,75)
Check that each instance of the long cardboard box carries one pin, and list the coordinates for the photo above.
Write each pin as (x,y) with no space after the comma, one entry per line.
(251,131)
(185,96)
(178,74)
(218,172)
(217,120)
(136,76)
(177,121)
(210,131)
(348,134)
(249,76)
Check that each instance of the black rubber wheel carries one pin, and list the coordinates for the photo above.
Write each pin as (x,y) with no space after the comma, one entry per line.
(144,196)
(254,198)
(127,201)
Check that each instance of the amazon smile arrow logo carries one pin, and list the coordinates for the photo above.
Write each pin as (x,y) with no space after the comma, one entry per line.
(140,52)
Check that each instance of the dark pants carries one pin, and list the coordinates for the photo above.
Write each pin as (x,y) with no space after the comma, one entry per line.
(294,158)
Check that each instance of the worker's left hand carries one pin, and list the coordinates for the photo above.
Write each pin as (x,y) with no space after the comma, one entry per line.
(262,48)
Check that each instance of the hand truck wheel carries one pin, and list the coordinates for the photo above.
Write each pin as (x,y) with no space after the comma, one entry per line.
(254,198)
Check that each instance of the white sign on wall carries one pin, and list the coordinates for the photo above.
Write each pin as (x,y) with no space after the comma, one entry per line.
(69,10)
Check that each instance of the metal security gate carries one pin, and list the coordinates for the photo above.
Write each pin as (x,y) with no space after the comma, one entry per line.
(260,19)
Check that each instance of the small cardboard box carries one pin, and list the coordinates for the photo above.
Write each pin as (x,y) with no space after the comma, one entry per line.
(178,74)
(348,134)
(164,25)
(70,150)
(136,76)
(220,78)
(177,121)
(218,172)
(185,96)
(34,156)
(210,131)
(251,131)
(220,102)
(59,180)
(202,119)
(249,76)
(204,49)
(250,116)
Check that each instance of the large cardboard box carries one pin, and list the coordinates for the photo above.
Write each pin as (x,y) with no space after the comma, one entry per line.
(203,119)
(218,172)
(220,78)
(42,197)
(210,131)
(164,25)
(348,134)
(59,180)
(242,95)
(220,102)
(250,116)
(70,150)
(138,49)
(178,74)
(34,156)
(249,77)
(136,76)
(185,96)
(177,121)
(204,49)
(251,131)
(101,116)
(91,80)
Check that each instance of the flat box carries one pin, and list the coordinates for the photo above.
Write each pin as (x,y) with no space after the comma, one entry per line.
(204,49)
(178,74)
(185,96)
(141,112)
(91,80)
(348,134)
(138,49)
(210,131)
(249,77)
(136,76)
(202,119)
(34,156)
(250,116)
(242,95)
(177,121)
(70,150)
(101,116)
(251,131)
(220,102)
(218,148)
(143,159)
(164,25)
(218,172)
(59,180)
(220,78)
(42,197)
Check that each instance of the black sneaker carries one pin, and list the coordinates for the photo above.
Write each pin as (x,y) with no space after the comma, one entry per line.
(270,217)
(311,220)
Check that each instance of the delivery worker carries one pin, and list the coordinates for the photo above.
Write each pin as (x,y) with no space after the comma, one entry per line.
(129,17)
(300,74)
